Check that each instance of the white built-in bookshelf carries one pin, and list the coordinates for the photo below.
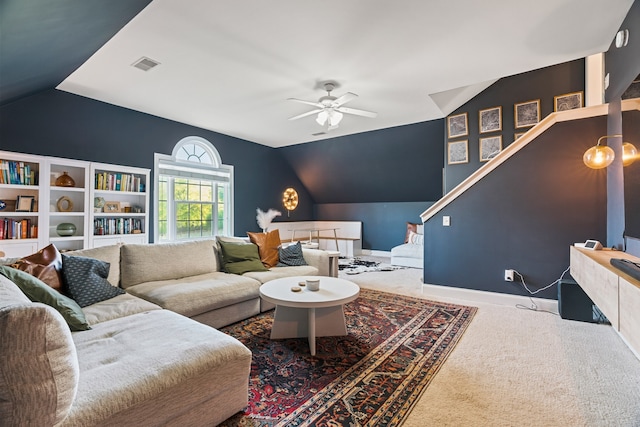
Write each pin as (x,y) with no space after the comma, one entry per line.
(33,207)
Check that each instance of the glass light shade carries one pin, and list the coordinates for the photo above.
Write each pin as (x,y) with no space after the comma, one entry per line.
(598,157)
(322,117)
(335,117)
(629,153)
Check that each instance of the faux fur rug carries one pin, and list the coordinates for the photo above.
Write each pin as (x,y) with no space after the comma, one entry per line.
(357,265)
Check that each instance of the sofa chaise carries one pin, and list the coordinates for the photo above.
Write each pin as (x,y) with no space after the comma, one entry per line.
(145,359)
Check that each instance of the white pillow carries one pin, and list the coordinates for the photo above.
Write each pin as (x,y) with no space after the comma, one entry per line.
(420,229)
(415,238)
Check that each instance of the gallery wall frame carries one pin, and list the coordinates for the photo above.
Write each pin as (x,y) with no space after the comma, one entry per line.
(518,135)
(490,147)
(457,125)
(490,119)
(458,152)
(568,101)
(526,114)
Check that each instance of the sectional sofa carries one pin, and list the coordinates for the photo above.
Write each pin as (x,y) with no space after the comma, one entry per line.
(145,359)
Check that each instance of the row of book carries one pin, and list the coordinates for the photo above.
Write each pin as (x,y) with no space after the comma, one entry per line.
(19,173)
(18,229)
(108,226)
(119,182)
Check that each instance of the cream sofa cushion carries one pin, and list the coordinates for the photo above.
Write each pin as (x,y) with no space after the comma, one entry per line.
(166,261)
(194,295)
(114,308)
(134,361)
(280,272)
(39,370)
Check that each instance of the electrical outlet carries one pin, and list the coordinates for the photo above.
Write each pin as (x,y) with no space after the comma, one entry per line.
(508,275)
(446,221)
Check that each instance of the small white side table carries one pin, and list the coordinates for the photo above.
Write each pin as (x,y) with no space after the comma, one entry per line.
(309,313)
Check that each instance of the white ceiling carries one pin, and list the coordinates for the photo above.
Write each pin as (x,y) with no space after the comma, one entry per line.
(229,66)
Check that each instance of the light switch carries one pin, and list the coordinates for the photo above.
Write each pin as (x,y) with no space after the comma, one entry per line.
(446,221)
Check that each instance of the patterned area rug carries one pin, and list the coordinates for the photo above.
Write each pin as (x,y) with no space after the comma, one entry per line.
(357,265)
(371,377)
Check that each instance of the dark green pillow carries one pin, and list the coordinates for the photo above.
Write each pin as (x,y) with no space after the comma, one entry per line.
(239,258)
(38,291)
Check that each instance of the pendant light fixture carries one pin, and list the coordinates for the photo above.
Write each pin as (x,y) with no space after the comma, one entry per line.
(601,156)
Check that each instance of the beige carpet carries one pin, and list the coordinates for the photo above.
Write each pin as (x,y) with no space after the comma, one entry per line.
(516,367)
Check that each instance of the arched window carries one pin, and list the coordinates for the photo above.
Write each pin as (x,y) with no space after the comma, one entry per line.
(194,192)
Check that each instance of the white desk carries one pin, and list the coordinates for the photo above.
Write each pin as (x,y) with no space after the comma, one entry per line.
(308,313)
(315,231)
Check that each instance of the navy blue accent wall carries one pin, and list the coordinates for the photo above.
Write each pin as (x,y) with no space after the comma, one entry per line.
(383,178)
(543,84)
(399,164)
(384,224)
(623,64)
(45,41)
(523,215)
(631,131)
(59,124)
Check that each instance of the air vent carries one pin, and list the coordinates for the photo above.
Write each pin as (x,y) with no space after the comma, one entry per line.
(318,134)
(145,64)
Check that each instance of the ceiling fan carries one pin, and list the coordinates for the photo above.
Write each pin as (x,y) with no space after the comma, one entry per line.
(330,109)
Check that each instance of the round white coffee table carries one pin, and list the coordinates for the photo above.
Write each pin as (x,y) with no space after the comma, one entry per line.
(309,313)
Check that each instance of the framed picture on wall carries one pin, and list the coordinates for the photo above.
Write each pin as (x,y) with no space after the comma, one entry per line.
(457,125)
(518,135)
(526,113)
(458,152)
(490,147)
(568,101)
(490,120)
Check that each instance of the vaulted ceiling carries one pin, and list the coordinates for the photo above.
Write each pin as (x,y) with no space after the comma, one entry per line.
(230,66)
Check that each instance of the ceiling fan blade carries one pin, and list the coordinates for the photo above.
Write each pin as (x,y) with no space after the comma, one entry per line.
(344,99)
(357,112)
(302,101)
(308,113)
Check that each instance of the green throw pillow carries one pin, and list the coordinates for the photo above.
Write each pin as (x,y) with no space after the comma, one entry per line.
(239,258)
(38,291)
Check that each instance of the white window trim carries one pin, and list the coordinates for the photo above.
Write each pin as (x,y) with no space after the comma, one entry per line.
(159,159)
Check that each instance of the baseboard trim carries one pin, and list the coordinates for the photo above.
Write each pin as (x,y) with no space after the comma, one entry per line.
(473,295)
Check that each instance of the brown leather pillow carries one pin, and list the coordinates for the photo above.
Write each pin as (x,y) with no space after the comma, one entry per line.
(46,265)
(268,244)
(410,227)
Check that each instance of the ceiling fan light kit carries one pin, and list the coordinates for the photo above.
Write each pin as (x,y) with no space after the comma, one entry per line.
(330,109)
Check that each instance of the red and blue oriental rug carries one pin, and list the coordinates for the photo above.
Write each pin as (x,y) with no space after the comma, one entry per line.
(371,377)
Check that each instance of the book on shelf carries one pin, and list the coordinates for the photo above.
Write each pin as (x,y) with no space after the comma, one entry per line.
(110,226)
(19,173)
(17,229)
(119,182)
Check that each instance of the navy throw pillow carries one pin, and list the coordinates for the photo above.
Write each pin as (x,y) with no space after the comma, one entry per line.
(291,256)
(86,280)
